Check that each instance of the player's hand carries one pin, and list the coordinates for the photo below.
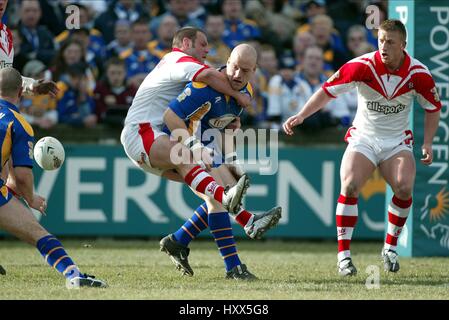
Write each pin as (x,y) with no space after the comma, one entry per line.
(203,156)
(291,122)
(427,153)
(243,100)
(234,125)
(39,203)
(45,87)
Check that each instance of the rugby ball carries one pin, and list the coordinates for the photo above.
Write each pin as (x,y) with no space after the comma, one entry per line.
(49,153)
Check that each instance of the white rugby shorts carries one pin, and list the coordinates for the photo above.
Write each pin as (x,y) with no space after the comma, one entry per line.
(376,149)
(137,140)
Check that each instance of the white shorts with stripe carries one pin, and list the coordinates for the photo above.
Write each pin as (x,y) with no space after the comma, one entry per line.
(375,149)
(137,140)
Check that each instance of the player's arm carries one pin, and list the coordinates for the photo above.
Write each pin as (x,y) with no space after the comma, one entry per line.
(31,86)
(344,80)
(21,174)
(427,96)
(431,122)
(192,104)
(218,81)
(316,102)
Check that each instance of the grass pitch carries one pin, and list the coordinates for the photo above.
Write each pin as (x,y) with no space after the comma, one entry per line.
(288,270)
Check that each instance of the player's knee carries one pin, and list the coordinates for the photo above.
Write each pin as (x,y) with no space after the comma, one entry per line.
(350,188)
(403,191)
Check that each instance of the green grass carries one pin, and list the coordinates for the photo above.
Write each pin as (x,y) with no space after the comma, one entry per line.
(288,270)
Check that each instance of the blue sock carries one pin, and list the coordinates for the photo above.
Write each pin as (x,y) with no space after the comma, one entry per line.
(54,254)
(193,226)
(220,227)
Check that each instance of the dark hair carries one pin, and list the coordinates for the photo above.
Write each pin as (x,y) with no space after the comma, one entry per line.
(141,21)
(59,66)
(114,61)
(394,25)
(186,32)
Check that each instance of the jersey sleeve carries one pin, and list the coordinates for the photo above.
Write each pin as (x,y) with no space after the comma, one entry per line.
(187,69)
(191,100)
(345,79)
(426,92)
(22,143)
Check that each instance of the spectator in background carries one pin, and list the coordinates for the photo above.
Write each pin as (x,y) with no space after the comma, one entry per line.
(20,59)
(128,10)
(237,29)
(283,95)
(113,96)
(310,80)
(355,36)
(139,60)
(162,45)
(265,21)
(71,52)
(122,39)
(95,43)
(94,61)
(301,41)
(197,11)
(38,110)
(37,40)
(54,16)
(219,52)
(180,10)
(267,63)
(75,103)
(322,29)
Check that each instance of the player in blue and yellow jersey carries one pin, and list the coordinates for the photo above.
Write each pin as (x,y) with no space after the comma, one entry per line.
(190,118)
(16,140)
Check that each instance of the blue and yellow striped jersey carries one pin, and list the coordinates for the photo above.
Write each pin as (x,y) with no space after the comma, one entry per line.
(16,136)
(201,104)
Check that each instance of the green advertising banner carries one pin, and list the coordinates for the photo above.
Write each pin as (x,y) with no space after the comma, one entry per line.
(99,192)
(427,231)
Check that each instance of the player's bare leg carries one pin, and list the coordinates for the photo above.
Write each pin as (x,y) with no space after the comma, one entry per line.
(355,170)
(19,221)
(168,154)
(399,171)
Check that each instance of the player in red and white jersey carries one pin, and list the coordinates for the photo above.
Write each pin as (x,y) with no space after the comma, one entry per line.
(30,86)
(142,137)
(387,81)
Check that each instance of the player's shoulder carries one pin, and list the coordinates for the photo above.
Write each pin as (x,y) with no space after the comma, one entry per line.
(365,59)
(20,123)
(417,66)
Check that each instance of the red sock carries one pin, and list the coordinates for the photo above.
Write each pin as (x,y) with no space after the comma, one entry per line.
(243,217)
(398,211)
(203,182)
(347,213)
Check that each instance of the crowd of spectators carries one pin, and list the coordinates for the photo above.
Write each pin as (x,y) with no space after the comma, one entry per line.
(99,65)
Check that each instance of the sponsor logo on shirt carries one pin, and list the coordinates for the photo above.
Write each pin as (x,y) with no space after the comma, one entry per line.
(385,109)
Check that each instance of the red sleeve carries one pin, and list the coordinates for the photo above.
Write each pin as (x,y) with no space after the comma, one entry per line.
(345,78)
(426,92)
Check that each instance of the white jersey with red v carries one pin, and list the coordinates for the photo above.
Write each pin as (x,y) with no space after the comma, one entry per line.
(384,97)
(6,47)
(163,84)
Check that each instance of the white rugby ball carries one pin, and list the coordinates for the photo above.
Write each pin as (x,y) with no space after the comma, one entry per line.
(49,153)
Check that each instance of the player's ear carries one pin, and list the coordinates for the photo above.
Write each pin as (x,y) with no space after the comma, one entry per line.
(19,94)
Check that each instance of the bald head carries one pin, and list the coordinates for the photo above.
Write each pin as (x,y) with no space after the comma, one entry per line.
(10,83)
(241,65)
(244,52)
